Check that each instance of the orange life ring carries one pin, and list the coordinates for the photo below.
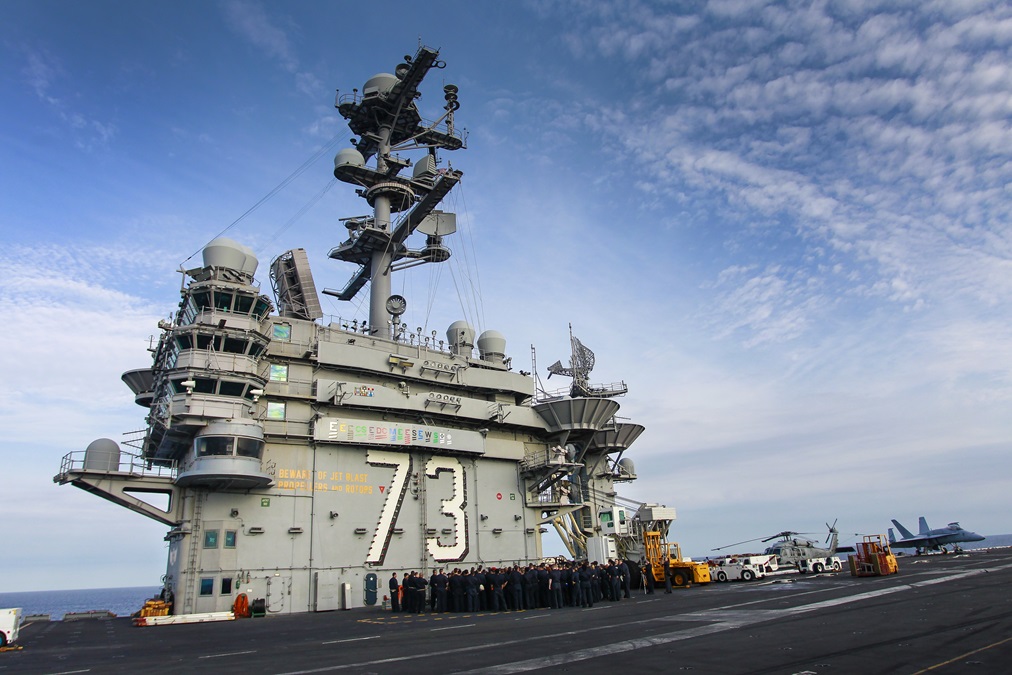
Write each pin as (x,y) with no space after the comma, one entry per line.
(241,606)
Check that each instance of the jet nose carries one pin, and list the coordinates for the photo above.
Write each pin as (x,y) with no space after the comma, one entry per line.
(976,537)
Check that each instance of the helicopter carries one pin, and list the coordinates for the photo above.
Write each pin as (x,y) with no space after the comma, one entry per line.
(791,551)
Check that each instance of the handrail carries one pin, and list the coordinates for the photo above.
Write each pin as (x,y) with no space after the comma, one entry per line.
(129,463)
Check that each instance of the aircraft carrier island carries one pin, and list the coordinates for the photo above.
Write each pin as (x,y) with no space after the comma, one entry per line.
(297,460)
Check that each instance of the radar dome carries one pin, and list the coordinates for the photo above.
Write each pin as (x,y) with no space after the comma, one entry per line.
(223,252)
(492,346)
(460,337)
(102,454)
(349,157)
(626,466)
(379,84)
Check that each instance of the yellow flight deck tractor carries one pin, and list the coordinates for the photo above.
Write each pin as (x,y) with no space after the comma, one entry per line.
(683,571)
(874,558)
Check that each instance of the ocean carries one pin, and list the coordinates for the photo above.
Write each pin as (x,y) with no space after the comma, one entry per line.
(119,601)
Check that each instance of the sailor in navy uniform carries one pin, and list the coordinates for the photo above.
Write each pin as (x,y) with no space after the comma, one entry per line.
(395,600)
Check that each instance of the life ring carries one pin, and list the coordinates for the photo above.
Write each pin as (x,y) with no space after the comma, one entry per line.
(241,606)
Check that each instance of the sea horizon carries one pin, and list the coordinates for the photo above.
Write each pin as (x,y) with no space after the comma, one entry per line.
(120,601)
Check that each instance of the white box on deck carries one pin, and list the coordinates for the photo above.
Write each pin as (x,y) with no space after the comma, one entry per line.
(657,513)
(10,622)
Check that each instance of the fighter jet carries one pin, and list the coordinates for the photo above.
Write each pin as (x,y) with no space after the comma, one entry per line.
(934,540)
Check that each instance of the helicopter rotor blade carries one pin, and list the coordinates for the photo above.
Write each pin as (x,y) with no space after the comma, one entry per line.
(747,541)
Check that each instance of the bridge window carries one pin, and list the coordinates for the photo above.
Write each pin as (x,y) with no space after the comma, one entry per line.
(227,388)
(226,585)
(214,445)
(275,410)
(282,331)
(234,345)
(207,586)
(243,303)
(249,447)
(204,341)
(210,538)
(279,372)
(223,300)
(202,299)
(229,538)
(261,309)
(204,385)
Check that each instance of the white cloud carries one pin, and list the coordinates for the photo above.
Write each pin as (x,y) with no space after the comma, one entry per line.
(251,21)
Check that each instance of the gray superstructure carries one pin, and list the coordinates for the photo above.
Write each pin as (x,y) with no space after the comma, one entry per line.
(300,460)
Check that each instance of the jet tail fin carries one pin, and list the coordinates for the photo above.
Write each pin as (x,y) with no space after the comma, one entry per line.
(923,524)
(892,537)
(907,534)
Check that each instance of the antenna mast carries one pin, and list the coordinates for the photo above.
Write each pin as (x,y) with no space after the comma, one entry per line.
(386,119)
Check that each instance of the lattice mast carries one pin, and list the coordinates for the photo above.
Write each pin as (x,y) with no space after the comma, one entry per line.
(386,119)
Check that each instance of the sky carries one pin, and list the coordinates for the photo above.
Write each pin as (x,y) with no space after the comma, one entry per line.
(784,225)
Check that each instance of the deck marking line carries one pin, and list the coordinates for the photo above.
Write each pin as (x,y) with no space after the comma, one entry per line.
(963,656)
(218,656)
(466,625)
(334,642)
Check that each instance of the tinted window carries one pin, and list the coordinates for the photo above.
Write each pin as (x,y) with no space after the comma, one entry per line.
(231,388)
(214,445)
(235,345)
(223,300)
(249,447)
(243,303)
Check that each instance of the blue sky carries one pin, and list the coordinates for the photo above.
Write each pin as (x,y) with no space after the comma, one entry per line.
(785,225)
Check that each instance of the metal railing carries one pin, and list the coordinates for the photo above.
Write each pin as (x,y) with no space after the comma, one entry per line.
(133,465)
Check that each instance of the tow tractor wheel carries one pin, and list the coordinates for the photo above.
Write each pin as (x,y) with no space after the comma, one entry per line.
(3,639)
(721,576)
(836,566)
(747,575)
(818,568)
(679,579)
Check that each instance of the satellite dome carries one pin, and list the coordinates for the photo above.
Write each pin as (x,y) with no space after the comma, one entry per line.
(626,466)
(103,444)
(349,157)
(102,454)
(223,252)
(379,84)
(460,337)
(492,346)
(249,265)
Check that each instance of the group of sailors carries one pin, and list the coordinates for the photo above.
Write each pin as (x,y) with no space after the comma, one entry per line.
(513,588)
